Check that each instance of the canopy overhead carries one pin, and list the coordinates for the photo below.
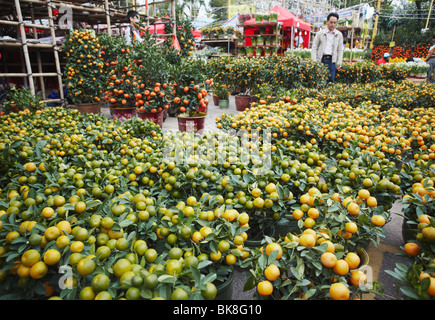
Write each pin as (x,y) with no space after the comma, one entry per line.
(159,28)
(287,18)
(196,33)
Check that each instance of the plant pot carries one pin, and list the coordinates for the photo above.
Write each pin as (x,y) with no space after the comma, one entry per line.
(243,101)
(121,113)
(88,107)
(286,225)
(224,103)
(216,100)
(195,123)
(156,117)
(255,243)
(225,289)
(408,231)
(203,109)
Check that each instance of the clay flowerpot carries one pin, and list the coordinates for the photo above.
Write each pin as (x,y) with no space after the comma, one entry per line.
(243,101)
(194,123)
(216,100)
(156,117)
(89,107)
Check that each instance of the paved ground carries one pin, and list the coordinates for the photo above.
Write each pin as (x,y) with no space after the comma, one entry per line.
(382,258)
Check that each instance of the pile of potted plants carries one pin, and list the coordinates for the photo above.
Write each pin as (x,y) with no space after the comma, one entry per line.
(21,100)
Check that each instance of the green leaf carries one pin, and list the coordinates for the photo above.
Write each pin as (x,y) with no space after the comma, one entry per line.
(196,275)
(167,278)
(146,293)
(409,292)
(249,284)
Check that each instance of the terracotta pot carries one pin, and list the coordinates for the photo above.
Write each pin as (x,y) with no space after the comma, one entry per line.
(156,117)
(193,123)
(243,101)
(89,107)
(120,113)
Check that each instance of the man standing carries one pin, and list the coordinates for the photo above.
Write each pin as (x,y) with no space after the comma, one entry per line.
(132,33)
(430,59)
(328,46)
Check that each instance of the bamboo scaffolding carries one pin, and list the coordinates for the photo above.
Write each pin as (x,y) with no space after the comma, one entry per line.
(97,13)
(26,25)
(38,54)
(55,48)
(23,75)
(25,49)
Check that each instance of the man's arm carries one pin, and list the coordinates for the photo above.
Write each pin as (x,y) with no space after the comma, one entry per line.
(430,54)
(315,46)
(340,51)
(127,36)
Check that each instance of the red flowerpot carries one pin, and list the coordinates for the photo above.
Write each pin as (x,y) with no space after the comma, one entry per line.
(156,117)
(216,100)
(243,101)
(203,109)
(193,123)
(123,113)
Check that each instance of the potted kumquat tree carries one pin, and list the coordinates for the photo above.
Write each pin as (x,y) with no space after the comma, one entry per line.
(190,95)
(84,70)
(122,84)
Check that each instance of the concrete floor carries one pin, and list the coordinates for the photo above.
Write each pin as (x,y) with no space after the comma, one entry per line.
(381,258)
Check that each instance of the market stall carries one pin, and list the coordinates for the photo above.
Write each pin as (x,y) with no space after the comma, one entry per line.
(295,32)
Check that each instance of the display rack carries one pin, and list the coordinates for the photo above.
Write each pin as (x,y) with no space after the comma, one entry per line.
(350,35)
(228,42)
(269,30)
(98,14)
